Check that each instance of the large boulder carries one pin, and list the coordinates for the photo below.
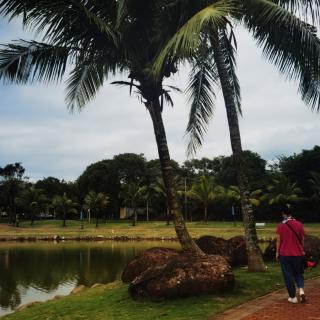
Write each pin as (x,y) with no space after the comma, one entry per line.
(148,258)
(214,245)
(238,251)
(185,274)
(311,248)
(233,250)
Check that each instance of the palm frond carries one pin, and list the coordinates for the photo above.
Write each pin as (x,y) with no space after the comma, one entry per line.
(127,83)
(174,88)
(229,50)
(167,97)
(187,39)
(95,20)
(202,80)
(84,82)
(121,11)
(289,43)
(308,9)
(27,61)
(62,22)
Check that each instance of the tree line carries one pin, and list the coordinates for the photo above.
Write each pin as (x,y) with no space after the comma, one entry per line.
(207,189)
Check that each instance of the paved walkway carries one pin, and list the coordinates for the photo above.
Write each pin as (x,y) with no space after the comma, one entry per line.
(276,307)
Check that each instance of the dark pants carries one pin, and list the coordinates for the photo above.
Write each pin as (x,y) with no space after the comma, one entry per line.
(292,269)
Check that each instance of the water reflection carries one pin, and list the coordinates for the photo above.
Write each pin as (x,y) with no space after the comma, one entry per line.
(39,271)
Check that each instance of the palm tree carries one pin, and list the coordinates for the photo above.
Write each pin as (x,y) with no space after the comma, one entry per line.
(160,188)
(99,39)
(34,200)
(315,185)
(283,192)
(255,197)
(205,190)
(65,204)
(134,193)
(96,202)
(207,40)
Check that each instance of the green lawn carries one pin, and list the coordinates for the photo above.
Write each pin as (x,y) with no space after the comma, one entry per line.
(112,302)
(156,229)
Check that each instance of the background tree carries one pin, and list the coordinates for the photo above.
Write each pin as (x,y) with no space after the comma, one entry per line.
(315,185)
(205,190)
(282,191)
(11,182)
(65,204)
(133,193)
(96,202)
(33,200)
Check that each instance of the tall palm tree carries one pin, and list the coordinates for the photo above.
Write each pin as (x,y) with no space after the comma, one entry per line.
(96,202)
(205,190)
(99,39)
(206,38)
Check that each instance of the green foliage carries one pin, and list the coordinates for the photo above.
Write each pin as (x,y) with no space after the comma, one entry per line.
(282,191)
(315,185)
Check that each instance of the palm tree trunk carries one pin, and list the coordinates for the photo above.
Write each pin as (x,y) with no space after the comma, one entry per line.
(168,214)
(64,217)
(206,214)
(97,219)
(147,210)
(183,235)
(255,260)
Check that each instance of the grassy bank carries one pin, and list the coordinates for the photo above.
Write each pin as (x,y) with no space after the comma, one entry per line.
(112,301)
(156,229)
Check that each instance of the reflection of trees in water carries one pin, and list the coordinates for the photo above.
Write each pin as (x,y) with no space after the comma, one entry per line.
(47,267)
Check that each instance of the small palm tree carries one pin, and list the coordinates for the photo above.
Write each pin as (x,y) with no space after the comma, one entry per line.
(96,202)
(255,197)
(282,191)
(65,204)
(205,190)
(34,200)
(133,193)
(160,189)
(315,185)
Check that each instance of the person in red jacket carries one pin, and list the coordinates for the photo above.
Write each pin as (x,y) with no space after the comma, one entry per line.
(290,253)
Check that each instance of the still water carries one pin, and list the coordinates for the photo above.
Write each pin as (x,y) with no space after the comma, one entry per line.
(39,271)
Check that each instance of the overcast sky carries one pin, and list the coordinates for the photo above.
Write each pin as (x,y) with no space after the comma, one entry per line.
(37,129)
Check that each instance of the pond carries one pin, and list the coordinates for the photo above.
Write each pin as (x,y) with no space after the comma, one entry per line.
(40,271)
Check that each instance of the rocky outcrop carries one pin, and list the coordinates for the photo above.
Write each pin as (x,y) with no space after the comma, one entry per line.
(233,250)
(311,248)
(149,258)
(184,275)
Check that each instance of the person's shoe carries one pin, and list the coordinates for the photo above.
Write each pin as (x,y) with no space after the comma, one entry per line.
(293,300)
(303,298)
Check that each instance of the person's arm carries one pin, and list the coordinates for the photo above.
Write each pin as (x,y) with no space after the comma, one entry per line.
(277,246)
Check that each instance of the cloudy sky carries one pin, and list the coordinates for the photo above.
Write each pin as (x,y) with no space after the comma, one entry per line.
(37,129)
